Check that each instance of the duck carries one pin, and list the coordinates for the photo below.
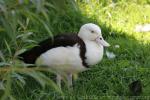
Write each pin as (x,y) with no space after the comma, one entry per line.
(69,53)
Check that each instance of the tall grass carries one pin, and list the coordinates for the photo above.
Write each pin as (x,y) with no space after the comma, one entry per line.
(21,20)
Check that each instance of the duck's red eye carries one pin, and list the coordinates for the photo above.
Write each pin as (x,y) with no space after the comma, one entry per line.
(100,38)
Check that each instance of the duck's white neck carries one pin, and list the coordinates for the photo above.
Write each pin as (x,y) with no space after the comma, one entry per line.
(94,52)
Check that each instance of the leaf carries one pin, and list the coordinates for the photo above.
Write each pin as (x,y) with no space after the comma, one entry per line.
(4,64)
(36,76)
(27,22)
(36,18)
(73,3)
(24,36)
(49,82)
(38,4)
(2,56)
(19,77)
(2,8)
(19,52)
(20,1)
(30,41)
(50,5)
(8,48)
(7,27)
(11,97)
(29,65)
(21,24)
(45,15)
(43,80)
(2,86)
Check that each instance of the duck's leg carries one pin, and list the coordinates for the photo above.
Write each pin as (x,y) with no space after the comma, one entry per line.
(69,79)
(58,79)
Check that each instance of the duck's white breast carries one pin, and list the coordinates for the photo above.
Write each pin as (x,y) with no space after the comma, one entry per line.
(94,52)
(62,58)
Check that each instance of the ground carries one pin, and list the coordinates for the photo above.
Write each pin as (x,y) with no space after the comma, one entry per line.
(110,78)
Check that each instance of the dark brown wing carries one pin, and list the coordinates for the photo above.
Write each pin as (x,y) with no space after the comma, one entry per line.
(31,55)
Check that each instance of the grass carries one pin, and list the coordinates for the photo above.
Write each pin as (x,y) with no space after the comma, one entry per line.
(110,78)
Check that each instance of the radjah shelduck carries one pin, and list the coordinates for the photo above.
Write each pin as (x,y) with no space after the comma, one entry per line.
(69,53)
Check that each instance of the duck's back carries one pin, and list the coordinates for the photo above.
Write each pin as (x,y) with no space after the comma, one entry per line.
(59,41)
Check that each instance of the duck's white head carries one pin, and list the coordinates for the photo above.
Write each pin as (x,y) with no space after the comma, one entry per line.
(92,32)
